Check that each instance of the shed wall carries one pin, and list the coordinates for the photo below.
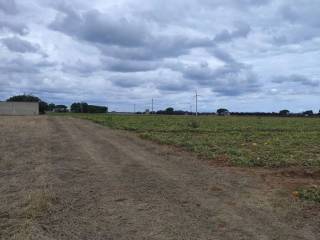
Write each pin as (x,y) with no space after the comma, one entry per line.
(19,108)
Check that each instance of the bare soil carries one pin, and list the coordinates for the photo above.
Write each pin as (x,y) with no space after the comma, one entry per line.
(65,178)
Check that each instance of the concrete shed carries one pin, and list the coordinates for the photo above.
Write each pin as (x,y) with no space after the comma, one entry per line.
(19,108)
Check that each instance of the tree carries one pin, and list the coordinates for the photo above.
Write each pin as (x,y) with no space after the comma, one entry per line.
(223,111)
(97,109)
(86,108)
(51,107)
(169,110)
(79,107)
(60,108)
(43,106)
(308,113)
(24,98)
(284,112)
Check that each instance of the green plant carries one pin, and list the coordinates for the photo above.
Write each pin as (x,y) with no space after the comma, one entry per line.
(310,193)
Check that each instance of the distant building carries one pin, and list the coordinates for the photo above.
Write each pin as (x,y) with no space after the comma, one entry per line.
(19,108)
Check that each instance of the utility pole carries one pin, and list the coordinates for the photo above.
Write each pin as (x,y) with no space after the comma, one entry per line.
(152,107)
(134,108)
(197,103)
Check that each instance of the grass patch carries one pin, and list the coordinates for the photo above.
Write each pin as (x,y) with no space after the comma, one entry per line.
(244,141)
(310,193)
(38,204)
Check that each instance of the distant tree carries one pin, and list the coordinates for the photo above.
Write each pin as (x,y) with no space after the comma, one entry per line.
(51,107)
(43,106)
(308,113)
(60,108)
(169,110)
(284,112)
(86,108)
(222,111)
(24,98)
(79,107)
(97,109)
(75,107)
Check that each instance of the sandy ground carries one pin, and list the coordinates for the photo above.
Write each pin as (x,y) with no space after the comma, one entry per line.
(64,178)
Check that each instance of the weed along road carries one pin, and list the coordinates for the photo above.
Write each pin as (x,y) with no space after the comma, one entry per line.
(67,178)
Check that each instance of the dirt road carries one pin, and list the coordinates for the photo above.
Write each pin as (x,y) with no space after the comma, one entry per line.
(64,178)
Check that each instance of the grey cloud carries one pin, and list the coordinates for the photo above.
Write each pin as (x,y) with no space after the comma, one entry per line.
(302,13)
(242,31)
(96,27)
(223,56)
(300,79)
(14,27)
(126,81)
(157,48)
(229,80)
(175,86)
(252,2)
(8,6)
(23,65)
(109,64)
(235,84)
(124,38)
(161,48)
(117,65)
(80,67)
(302,22)
(16,44)
(242,4)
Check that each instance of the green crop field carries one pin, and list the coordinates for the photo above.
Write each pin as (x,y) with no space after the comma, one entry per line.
(240,141)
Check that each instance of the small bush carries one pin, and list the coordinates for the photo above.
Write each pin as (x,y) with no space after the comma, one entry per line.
(194,124)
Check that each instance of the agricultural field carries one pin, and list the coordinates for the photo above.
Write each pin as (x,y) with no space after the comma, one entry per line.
(238,141)
(67,178)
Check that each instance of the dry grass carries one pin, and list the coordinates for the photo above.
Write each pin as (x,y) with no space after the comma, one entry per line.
(38,204)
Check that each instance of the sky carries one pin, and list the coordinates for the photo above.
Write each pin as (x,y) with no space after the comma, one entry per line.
(243,55)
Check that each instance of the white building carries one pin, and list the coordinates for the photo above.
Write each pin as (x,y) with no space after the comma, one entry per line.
(19,108)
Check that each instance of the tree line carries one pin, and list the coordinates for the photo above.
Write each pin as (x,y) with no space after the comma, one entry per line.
(226,112)
(83,107)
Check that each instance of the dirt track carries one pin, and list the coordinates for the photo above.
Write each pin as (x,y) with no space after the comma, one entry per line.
(64,178)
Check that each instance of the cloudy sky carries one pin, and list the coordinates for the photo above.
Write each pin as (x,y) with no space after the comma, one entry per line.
(245,55)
